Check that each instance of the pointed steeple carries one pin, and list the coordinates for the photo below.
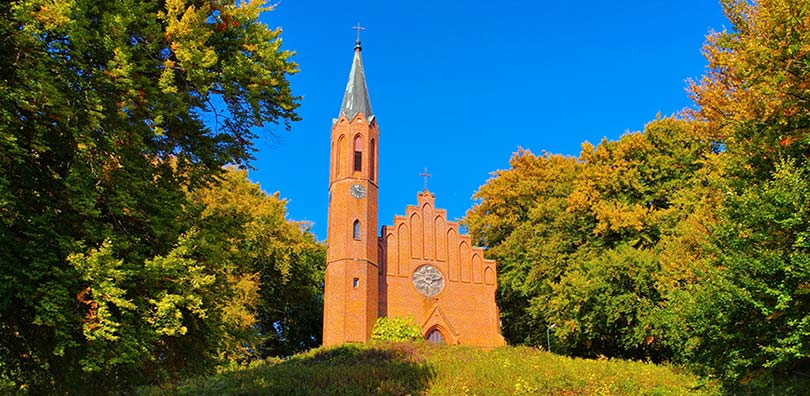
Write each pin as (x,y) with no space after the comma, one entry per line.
(355,100)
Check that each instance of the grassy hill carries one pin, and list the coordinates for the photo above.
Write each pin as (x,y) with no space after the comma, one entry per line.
(423,369)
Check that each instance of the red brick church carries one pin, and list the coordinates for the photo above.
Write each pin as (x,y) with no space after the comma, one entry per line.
(421,266)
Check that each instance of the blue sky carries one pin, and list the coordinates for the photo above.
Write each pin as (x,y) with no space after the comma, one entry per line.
(464,84)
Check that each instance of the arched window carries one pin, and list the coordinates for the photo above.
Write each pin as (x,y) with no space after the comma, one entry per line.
(339,155)
(356,230)
(435,336)
(372,157)
(358,154)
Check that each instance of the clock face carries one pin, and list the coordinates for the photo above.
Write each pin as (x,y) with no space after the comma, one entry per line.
(428,280)
(357,190)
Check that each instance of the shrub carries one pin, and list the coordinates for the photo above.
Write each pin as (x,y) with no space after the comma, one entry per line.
(396,329)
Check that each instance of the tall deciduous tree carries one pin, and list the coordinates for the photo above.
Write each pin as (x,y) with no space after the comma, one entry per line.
(104,110)
(755,93)
(753,320)
(580,242)
(242,225)
(521,217)
(689,241)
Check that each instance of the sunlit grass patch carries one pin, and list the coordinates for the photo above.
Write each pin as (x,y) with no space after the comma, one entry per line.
(422,369)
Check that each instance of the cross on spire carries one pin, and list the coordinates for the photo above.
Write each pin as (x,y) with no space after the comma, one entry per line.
(425,174)
(358,28)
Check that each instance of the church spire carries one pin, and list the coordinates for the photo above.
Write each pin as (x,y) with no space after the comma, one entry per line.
(355,100)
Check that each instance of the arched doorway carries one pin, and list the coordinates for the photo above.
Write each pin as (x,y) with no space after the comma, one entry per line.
(435,336)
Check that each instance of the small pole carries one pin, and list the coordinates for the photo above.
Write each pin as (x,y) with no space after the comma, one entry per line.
(548,336)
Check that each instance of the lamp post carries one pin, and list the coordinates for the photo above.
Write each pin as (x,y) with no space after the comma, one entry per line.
(548,336)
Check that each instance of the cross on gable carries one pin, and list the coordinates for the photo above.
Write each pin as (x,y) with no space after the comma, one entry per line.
(425,174)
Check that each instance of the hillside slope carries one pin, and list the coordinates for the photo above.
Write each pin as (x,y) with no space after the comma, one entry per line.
(423,369)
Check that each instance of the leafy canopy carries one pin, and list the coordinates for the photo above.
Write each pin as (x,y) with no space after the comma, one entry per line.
(110,114)
(686,242)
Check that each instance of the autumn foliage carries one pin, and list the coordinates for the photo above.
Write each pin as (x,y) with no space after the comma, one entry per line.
(686,242)
(131,255)
(122,262)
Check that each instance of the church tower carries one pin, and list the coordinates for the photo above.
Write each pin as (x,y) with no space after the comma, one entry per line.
(351,279)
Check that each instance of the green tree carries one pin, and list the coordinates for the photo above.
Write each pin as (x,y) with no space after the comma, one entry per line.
(600,305)
(630,197)
(521,217)
(751,320)
(242,225)
(755,92)
(580,241)
(102,111)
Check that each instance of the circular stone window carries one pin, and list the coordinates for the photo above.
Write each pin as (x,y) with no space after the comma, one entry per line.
(428,280)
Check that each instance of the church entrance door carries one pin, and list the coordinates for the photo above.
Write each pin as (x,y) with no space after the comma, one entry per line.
(435,336)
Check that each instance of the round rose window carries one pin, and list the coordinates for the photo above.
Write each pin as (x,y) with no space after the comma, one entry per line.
(428,280)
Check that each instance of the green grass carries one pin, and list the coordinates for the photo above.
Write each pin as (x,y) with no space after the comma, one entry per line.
(423,369)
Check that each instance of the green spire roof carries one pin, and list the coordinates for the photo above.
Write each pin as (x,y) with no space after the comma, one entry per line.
(355,100)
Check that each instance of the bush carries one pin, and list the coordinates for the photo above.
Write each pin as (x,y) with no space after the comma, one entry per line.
(396,329)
